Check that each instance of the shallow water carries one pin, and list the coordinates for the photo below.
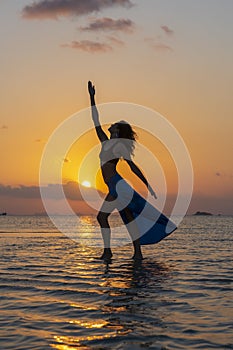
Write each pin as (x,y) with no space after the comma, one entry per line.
(55,294)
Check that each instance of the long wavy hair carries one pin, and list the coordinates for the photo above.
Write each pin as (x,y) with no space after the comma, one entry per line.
(126,132)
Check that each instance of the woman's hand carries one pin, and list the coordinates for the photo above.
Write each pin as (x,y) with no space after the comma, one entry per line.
(152,192)
(91,89)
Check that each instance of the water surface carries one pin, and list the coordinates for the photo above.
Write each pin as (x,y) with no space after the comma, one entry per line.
(55,294)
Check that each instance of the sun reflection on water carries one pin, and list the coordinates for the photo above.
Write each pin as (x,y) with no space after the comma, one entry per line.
(90,324)
(66,343)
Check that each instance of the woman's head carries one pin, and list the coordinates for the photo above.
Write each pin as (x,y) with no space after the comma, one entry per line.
(123,130)
(126,131)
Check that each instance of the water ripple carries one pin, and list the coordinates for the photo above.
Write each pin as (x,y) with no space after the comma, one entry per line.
(56,295)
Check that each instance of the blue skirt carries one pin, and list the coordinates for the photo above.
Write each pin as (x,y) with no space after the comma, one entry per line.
(153,226)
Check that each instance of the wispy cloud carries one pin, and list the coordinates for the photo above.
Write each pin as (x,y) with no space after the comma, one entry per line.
(89,46)
(53,9)
(167,30)
(3,127)
(115,41)
(162,47)
(158,45)
(109,24)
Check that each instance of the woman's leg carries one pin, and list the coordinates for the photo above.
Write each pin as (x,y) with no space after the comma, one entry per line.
(134,233)
(107,208)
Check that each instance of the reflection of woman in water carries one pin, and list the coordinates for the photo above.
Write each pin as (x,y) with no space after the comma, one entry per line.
(120,145)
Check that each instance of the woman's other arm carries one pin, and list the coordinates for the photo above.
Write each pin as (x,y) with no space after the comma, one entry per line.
(139,174)
(121,151)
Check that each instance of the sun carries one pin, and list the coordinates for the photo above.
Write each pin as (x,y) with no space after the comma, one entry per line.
(86,183)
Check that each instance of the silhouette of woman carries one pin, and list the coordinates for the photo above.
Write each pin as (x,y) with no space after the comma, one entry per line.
(119,146)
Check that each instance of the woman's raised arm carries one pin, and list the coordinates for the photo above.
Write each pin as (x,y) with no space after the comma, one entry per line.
(95,115)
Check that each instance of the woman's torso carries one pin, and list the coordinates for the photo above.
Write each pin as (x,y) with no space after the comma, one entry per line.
(108,159)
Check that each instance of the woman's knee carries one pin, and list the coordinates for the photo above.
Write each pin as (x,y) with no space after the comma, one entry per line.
(102,219)
(128,214)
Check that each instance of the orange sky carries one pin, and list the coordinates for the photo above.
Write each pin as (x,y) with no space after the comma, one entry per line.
(172,56)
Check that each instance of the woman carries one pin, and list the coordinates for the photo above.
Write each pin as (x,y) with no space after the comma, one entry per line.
(120,145)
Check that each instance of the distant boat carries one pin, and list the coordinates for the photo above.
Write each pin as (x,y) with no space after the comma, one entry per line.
(204,213)
(3,214)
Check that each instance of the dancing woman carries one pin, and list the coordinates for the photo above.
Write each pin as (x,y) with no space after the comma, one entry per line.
(119,146)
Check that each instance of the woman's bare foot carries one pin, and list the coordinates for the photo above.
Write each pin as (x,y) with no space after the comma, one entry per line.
(107,254)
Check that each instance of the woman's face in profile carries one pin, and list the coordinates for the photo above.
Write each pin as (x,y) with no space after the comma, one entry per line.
(113,128)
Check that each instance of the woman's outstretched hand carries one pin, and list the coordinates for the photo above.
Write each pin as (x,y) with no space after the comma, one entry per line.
(152,192)
(154,195)
(91,88)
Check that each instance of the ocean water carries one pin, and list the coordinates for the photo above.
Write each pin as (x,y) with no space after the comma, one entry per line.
(55,293)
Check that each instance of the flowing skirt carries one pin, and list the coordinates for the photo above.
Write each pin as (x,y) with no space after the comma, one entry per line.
(152,225)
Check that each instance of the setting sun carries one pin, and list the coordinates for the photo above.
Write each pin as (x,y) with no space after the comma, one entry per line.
(86,183)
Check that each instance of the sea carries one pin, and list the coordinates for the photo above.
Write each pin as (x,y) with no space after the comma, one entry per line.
(57,294)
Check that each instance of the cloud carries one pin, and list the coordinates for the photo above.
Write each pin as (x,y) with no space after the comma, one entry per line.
(3,127)
(157,42)
(109,24)
(53,9)
(158,45)
(89,46)
(115,41)
(162,47)
(167,30)
(20,191)
(52,191)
